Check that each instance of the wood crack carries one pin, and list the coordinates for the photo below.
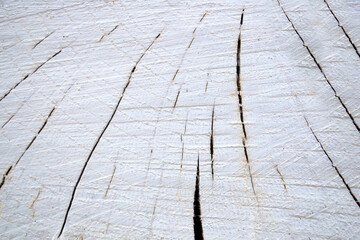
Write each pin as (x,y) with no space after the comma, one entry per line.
(281,176)
(108,34)
(32,206)
(212,142)
(321,70)
(238,83)
(202,17)
(48,35)
(332,164)
(198,229)
(177,96)
(191,42)
(11,117)
(185,52)
(100,136)
(342,28)
(42,127)
(111,179)
(238,76)
(34,138)
(4,176)
(182,141)
(27,147)
(28,75)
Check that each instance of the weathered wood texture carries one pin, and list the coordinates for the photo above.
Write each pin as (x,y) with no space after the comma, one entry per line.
(165,120)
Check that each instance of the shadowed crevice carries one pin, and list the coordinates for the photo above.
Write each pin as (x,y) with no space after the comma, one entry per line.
(198,229)
(212,142)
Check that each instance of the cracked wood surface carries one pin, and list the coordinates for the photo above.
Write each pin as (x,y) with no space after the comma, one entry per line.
(189,120)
